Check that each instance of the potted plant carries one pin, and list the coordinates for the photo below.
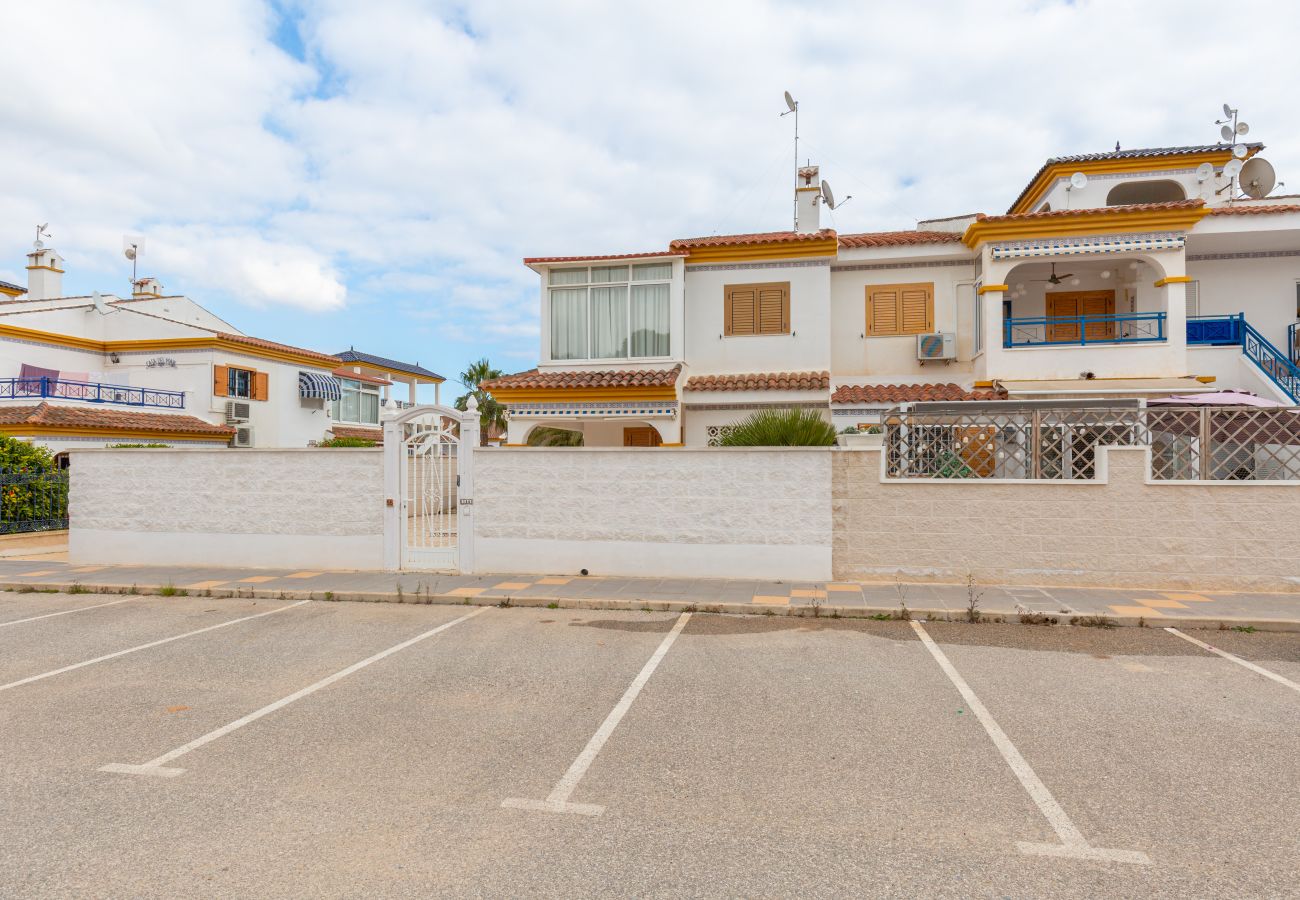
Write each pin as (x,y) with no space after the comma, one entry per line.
(862,436)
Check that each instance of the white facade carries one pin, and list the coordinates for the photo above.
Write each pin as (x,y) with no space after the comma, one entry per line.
(1076,286)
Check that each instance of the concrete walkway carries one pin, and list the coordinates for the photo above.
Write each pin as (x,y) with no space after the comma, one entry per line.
(1122,606)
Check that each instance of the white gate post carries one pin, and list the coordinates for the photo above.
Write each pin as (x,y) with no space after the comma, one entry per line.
(469,431)
(393,450)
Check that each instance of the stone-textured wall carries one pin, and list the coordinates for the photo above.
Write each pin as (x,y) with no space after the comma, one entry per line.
(1119,530)
(707,513)
(228,507)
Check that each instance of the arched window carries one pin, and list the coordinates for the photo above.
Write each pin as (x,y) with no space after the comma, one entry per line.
(1164,191)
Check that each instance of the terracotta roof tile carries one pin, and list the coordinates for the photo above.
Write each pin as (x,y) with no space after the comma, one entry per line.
(272,345)
(910,393)
(760,381)
(738,240)
(529,260)
(367,434)
(899,238)
(1262,210)
(624,378)
(1062,213)
(100,419)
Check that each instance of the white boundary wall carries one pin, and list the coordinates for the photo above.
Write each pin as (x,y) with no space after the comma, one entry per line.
(308,508)
(705,513)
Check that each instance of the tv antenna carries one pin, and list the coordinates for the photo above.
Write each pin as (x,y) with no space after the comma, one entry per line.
(793,107)
(132,247)
(41,231)
(1253,177)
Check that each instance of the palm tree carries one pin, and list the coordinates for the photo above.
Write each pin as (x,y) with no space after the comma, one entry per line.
(491,414)
(781,428)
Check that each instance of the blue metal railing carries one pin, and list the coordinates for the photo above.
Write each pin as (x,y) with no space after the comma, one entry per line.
(1271,361)
(89,391)
(1125,328)
(1293,341)
(1220,330)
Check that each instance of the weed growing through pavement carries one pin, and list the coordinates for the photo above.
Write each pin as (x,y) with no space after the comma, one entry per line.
(882,617)
(29,589)
(557,606)
(400,596)
(816,605)
(904,614)
(646,609)
(329,595)
(505,603)
(76,588)
(690,609)
(973,597)
(1142,621)
(465,602)
(1094,622)
(1245,629)
(1034,618)
(171,590)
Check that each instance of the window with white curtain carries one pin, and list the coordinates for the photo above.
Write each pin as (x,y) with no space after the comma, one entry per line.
(359,403)
(610,312)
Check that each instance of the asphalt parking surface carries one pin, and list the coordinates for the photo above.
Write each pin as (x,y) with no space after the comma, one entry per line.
(348,749)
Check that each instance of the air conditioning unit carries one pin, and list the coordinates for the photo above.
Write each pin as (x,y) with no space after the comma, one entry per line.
(237,412)
(942,345)
(243,436)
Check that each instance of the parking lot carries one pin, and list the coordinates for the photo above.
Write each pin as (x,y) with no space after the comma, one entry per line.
(165,746)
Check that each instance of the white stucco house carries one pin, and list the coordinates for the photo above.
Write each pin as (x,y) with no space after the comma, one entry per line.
(157,368)
(1125,274)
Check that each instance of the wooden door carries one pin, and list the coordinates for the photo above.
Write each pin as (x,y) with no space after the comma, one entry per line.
(644,436)
(1070,305)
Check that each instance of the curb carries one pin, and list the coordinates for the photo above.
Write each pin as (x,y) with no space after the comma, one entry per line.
(803,611)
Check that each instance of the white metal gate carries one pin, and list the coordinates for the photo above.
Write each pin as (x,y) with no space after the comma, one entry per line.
(429,487)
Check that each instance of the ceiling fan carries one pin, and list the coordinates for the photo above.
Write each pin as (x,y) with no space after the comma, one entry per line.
(1054,278)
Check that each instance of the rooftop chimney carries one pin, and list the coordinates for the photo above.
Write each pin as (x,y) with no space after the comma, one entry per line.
(148,286)
(807,199)
(44,274)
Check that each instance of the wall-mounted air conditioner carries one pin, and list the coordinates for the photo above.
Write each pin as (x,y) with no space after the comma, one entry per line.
(942,345)
(243,436)
(237,412)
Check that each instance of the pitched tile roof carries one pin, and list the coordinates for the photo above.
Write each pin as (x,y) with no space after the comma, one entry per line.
(356,356)
(367,434)
(99,419)
(1262,210)
(345,372)
(529,260)
(740,240)
(533,379)
(4,285)
(910,393)
(899,238)
(272,345)
(1062,213)
(759,381)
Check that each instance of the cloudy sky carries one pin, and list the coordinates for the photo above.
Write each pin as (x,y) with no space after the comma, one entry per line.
(370,173)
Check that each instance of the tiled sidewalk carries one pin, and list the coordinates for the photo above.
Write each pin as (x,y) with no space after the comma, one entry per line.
(1123,605)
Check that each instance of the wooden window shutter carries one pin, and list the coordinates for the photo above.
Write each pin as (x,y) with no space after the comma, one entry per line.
(917,302)
(774,309)
(261,385)
(882,311)
(742,310)
(896,309)
(220,381)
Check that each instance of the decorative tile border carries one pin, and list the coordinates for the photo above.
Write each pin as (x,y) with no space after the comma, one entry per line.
(719,407)
(1249,254)
(1108,243)
(917,264)
(662,409)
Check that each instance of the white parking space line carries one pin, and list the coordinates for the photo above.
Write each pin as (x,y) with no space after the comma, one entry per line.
(1259,670)
(156,766)
(65,612)
(558,800)
(159,643)
(1073,845)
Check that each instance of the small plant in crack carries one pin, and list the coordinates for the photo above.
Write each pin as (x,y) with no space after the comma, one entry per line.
(904,614)
(974,594)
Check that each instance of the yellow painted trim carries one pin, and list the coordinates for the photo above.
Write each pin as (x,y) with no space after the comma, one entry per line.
(1207,379)
(1079,223)
(1174,279)
(514,445)
(199,343)
(9,292)
(92,431)
(1048,176)
(421,379)
(798,190)
(994,288)
(678,444)
(530,395)
(46,268)
(770,250)
(985,384)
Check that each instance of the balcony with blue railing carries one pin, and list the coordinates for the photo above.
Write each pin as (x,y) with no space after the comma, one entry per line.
(89,392)
(1234,330)
(1057,331)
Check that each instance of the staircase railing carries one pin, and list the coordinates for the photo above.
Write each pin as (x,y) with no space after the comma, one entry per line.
(1234,330)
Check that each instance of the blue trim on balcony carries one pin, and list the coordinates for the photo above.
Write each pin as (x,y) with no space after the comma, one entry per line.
(1234,330)
(1214,330)
(1059,331)
(88,392)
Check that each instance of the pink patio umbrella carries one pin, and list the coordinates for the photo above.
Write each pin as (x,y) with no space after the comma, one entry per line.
(1218,398)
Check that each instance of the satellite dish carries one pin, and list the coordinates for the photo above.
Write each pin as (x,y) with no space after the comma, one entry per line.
(1227,110)
(130,252)
(1258,178)
(1243,129)
(1231,168)
(789,101)
(1226,133)
(1204,172)
(1239,151)
(1078,181)
(100,306)
(827,195)
(132,245)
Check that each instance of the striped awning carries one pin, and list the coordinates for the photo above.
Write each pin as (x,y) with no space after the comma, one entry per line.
(318,384)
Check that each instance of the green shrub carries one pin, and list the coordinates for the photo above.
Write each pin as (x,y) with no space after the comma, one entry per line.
(554,437)
(346,442)
(781,428)
(32,489)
